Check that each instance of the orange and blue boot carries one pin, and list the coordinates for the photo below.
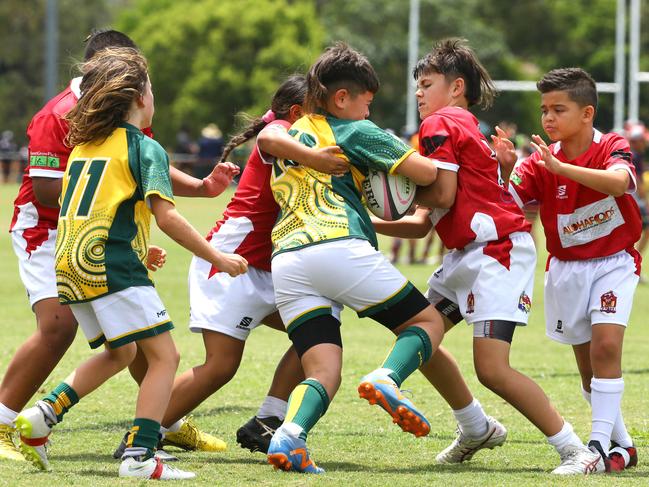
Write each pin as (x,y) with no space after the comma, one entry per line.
(379,388)
(287,452)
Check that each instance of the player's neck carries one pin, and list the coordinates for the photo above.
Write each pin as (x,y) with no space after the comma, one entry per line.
(577,144)
(135,118)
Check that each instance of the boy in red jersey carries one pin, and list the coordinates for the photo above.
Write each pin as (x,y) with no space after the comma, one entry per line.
(583,183)
(488,276)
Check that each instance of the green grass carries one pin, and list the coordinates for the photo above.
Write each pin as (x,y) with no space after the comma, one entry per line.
(355,443)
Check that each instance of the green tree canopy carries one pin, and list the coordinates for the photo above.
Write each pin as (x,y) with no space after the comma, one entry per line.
(210,59)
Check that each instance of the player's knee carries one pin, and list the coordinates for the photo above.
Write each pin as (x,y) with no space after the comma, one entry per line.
(122,356)
(221,369)
(493,376)
(605,351)
(56,334)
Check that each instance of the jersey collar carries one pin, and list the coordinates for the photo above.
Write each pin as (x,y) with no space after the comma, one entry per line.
(597,138)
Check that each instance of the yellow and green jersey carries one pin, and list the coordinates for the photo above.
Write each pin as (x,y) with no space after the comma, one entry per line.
(103,228)
(317,207)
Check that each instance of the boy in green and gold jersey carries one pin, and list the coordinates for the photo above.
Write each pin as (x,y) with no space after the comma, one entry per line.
(325,256)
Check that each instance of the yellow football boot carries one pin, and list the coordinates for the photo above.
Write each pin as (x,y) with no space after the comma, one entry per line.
(189,437)
(8,449)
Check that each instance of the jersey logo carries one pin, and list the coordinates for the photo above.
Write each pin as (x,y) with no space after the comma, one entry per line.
(608,302)
(44,161)
(524,303)
(588,223)
(245,322)
(562,192)
(432,143)
(559,328)
(470,303)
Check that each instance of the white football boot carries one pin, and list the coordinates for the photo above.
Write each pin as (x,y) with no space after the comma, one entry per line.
(463,447)
(152,468)
(580,460)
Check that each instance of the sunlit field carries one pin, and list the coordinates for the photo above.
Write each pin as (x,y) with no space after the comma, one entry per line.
(355,443)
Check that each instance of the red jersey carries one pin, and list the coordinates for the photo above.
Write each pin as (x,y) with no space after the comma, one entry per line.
(48,157)
(579,222)
(484,211)
(249,217)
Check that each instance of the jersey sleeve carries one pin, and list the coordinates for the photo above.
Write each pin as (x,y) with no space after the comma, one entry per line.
(367,145)
(524,184)
(154,170)
(437,139)
(282,125)
(48,154)
(619,156)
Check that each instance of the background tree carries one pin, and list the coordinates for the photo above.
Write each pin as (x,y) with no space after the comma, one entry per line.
(22,53)
(210,59)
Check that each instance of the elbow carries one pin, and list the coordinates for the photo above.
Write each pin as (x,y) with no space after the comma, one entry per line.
(445,201)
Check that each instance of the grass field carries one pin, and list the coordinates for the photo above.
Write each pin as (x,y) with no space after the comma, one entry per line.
(356,444)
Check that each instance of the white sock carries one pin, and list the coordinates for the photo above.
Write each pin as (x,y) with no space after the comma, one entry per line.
(7,416)
(293,429)
(174,428)
(472,419)
(605,398)
(272,406)
(619,435)
(564,438)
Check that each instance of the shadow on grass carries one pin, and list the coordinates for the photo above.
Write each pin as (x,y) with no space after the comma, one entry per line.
(536,375)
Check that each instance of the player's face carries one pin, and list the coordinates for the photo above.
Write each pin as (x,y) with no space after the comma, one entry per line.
(561,117)
(148,109)
(433,93)
(357,107)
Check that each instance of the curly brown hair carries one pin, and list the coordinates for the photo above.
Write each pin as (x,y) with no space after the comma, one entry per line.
(112,79)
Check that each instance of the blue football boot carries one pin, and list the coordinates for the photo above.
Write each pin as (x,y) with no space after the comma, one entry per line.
(288,452)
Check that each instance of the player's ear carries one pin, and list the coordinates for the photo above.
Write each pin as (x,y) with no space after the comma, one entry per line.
(139,101)
(457,87)
(588,113)
(294,113)
(339,97)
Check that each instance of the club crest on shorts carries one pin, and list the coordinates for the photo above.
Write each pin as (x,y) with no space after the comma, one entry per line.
(470,303)
(524,303)
(608,302)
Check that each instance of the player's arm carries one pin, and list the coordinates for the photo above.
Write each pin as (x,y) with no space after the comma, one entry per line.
(418,168)
(278,143)
(612,182)
(410,226)
(177,228)
(440,194)
(210,186)
(47,190)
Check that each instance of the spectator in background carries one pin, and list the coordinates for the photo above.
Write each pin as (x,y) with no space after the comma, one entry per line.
(7,153)
(185,150)
(210,148)
(637,136)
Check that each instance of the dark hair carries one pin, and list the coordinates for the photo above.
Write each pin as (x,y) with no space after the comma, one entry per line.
(454,59)
(577,83)
(112,79)
(339,66)
(290,92)
(103,38)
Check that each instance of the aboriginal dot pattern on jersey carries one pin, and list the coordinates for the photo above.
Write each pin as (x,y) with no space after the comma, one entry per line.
(80,256)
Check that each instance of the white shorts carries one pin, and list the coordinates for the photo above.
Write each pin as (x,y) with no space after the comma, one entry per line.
(122,317)
(36,267)
(488,281)
(581,293)
(233,306)
(320,279)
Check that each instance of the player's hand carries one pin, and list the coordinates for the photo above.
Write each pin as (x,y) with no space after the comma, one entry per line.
(505,152)
(156,258)
(233,264)
(328,161)
(547,160)
(219,179)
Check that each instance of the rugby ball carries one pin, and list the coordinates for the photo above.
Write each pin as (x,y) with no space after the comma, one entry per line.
(388,196)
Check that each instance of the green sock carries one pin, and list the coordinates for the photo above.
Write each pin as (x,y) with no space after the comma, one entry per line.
(144,434)
(62,398)
(410,351)
(307,404)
